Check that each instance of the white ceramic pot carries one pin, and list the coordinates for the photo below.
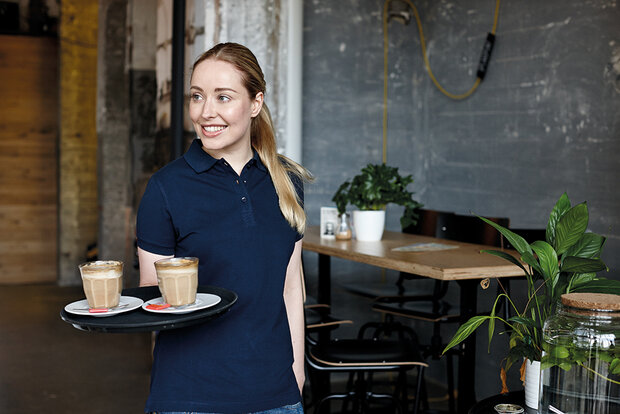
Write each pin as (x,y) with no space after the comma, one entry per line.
(369,224)
(532,383)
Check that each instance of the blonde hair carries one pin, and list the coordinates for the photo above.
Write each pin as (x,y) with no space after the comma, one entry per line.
(262,132)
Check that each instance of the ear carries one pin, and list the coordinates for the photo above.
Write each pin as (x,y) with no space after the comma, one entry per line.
(257,104)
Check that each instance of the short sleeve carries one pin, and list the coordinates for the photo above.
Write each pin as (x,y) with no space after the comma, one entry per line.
(299,189)
(154,227)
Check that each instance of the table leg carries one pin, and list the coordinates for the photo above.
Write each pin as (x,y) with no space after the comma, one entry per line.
(324,294)
(467,356)
(322,386)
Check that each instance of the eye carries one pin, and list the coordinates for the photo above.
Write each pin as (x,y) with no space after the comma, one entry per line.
(223,98)
(196,97)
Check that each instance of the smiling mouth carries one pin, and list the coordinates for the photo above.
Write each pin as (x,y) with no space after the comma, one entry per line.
(213,129)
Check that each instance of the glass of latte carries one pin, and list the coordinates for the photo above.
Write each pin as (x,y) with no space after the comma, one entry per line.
(103,282)
(178,280)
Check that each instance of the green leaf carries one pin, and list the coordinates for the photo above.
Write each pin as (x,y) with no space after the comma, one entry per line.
(511,359)
(548,260)
(561,207)
(376,186)
(505,256)
(528,257)
(517,241)
(588,246)
(571,227)
(529,322)
(614,367)
(465,330)
(547,363)
(582,265)
(581,279)
(525,349)
(600,285)
(341,197)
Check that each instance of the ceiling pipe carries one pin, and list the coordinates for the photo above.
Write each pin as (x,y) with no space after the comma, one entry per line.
(178,66)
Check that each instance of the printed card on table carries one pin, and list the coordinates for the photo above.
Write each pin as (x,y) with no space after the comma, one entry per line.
(329,221)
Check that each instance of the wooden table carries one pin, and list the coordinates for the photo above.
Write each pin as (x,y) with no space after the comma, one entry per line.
(464,265)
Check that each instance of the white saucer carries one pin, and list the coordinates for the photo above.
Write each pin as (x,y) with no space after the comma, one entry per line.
(203,300)
(126,304)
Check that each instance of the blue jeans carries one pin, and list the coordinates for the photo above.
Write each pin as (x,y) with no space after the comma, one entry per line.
(287,409)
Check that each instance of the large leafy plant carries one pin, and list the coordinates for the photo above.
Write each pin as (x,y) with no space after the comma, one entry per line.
(376,186)
(566,261)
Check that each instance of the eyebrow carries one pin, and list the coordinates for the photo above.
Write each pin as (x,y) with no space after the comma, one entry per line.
(217,90)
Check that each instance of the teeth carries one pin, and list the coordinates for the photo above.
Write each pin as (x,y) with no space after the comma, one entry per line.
(214,128)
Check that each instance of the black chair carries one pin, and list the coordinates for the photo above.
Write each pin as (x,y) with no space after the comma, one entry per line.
(431,305)
(361,358)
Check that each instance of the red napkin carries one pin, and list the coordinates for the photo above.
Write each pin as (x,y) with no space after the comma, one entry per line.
(158,307)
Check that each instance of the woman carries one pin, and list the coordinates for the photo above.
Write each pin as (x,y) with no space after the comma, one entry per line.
(237,205)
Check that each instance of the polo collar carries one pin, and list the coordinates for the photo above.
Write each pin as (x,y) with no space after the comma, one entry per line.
(201,161)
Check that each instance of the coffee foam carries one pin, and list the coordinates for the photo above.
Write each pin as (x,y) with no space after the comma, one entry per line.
(175,263)
(101,274)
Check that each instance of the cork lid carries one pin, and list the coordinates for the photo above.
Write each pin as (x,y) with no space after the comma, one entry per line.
(598,301)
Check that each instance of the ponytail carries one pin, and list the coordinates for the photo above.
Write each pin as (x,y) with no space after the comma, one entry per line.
(262,133)
(280,169)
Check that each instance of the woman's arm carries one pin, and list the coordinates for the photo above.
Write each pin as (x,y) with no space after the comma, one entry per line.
(148,276)
(293,299)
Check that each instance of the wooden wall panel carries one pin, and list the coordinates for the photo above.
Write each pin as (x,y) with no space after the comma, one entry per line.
(28,159)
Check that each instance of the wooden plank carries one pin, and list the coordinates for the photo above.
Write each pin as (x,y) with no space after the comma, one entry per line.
(463,262)
(28,222)
(28,159)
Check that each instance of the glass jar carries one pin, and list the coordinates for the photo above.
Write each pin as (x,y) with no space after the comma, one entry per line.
(343,232)
(580,369)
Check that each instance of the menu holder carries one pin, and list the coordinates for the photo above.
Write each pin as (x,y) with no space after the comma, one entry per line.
(139,320)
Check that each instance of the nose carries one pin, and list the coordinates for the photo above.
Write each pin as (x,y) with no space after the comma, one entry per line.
(208,109)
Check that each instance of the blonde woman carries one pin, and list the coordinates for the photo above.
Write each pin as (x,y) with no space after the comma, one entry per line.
(237,205)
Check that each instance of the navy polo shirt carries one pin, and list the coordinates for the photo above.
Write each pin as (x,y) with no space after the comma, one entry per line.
(241,362)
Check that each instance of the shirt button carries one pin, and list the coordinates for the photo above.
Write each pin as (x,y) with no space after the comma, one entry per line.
(237,181)
(243,199)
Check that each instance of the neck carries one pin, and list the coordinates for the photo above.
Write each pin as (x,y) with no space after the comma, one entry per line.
(236,159)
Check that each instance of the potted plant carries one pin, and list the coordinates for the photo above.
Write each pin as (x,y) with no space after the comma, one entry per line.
(370,191)
(567,261)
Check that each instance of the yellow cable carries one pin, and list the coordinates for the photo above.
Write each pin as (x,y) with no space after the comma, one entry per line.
(426,64)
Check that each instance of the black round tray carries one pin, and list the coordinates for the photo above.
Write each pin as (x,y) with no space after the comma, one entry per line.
(139,320)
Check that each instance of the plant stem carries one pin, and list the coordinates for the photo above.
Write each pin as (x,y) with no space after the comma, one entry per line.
(600,375)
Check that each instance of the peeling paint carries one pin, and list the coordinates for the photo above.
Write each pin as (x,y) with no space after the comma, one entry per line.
(555,24)
(611,73)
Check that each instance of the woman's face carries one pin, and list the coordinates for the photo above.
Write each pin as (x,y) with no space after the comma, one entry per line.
(221,109)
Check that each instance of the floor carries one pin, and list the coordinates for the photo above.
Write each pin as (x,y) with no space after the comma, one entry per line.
(48,366)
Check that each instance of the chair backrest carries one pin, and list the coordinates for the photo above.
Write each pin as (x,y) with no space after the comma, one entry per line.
(433,223)
(530,235)
(459,227)
(472,229)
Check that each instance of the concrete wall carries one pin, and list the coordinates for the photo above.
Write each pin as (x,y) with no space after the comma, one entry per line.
(77,198)
(544,121)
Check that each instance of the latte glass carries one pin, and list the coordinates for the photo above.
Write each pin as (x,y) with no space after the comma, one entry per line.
(102,281)
(178,280)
